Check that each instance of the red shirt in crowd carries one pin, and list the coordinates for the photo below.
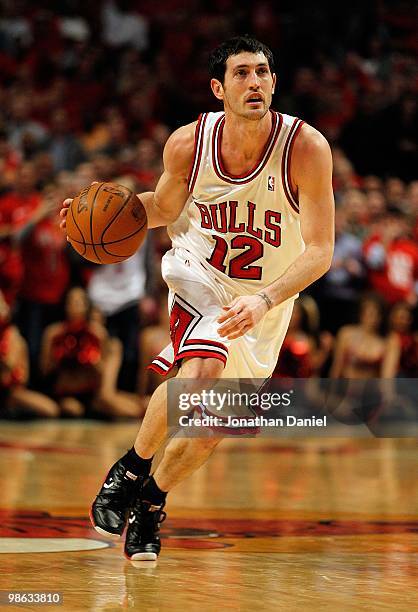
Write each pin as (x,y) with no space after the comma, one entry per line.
(395,278)
(15,212)
(46,266)
(295,359)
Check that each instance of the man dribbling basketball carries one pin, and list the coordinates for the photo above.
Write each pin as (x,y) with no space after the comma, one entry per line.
(247,198)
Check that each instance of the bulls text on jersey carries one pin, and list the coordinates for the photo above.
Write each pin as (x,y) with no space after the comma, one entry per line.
(221,218)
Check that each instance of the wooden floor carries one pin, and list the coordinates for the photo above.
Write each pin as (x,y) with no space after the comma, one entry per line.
(319,524)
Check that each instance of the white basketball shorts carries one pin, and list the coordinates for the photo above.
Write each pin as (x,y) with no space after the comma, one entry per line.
(195,302)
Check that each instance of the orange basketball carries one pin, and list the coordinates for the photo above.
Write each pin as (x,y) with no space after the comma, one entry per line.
(106,223)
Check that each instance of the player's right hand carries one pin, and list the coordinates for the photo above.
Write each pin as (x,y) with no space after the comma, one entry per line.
(64,210)
(63,213)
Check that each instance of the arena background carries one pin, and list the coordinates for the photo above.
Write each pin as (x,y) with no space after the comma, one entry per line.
(91,91)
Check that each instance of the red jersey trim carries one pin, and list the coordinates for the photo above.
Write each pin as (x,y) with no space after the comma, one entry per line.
(197,153)
(207,342)
(163,367)
(188,346)
(207,353)
(286,164)
(277,121)
(155,366)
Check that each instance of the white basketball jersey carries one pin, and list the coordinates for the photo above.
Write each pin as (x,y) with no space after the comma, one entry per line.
(244,230)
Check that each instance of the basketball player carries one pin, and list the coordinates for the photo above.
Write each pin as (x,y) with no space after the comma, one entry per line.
(246,195)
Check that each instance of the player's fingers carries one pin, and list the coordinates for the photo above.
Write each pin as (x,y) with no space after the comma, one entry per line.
(63,213)
(233,304)
(231,311)
(67,202)
(239,333)
(236,335)
(232,325)
(229,319)
(224,317)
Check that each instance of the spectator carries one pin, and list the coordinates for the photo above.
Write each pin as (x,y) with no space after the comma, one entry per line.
(44,169)
(46,273)
(372,182)
(395,192)
(361,348)
(354,203)
(80,364)
(118,141)
(10,160)
(122,27)
(392,259)
(303,353)
(376,205)
(16,398)
(341,285)
(25,133)
(65,149)
(119,290)
(147,164)
(402,359)
(16,209)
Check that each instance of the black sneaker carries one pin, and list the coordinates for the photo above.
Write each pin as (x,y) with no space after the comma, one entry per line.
(142,537)
(110,509)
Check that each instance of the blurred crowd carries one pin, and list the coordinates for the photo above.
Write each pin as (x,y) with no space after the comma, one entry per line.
(91,91)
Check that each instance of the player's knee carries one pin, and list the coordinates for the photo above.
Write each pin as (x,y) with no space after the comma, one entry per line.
(207,443)
(199,368)
(194,446)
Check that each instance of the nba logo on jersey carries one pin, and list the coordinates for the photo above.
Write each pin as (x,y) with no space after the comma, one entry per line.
(270,183)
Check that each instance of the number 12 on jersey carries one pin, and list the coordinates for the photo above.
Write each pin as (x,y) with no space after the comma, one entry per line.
(240,265)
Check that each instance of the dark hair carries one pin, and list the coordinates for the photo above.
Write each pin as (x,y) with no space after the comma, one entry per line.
(371,297)
(233,46)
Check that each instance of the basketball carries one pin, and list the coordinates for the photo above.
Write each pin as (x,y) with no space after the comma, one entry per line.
(106,223)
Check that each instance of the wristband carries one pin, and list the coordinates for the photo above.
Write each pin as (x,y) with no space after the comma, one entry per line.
(266,299)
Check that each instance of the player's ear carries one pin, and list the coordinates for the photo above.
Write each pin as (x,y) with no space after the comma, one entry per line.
(217,89)
(274,82)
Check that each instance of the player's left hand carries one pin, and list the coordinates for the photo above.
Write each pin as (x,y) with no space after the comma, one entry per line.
(241,315)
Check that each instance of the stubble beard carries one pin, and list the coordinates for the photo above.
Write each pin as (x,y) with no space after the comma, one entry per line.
(256,115)
(249,115)
(252,115)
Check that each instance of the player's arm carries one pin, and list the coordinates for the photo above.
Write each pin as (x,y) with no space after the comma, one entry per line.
(165,204)
(312,175)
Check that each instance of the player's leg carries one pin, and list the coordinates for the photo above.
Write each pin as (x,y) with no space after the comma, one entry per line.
(195,304)
(124,479)
(182,457)
(112,504)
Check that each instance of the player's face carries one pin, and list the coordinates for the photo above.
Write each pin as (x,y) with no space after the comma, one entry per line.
(248,85)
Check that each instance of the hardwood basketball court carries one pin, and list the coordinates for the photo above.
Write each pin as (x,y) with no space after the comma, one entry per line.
(302,524)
